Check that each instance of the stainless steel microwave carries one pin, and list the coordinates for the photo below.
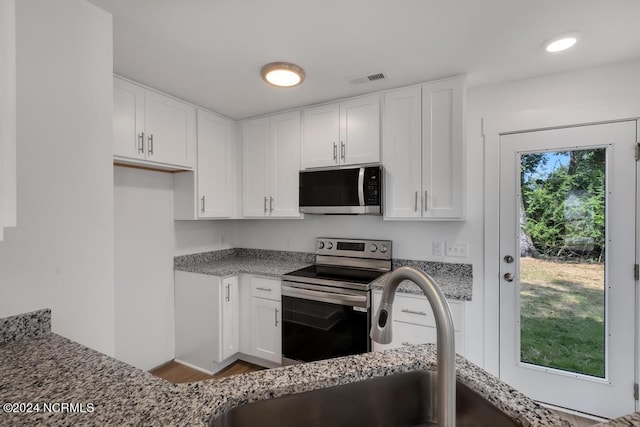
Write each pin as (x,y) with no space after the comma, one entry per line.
(346,191)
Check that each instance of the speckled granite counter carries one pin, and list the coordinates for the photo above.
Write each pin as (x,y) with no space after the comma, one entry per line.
(229,262)
(626,421)
(50,368)
(456,280)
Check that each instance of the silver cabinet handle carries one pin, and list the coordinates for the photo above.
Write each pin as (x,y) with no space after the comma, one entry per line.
(202,204)
(228,296)
(342,150)
(420,313)
(150,144)
(265,203)
(260,288)
(270,204)
(335,152)
(425,201)
(276,316)
(141,143)
(415,205)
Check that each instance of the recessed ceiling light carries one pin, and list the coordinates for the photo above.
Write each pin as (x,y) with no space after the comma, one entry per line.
(282,74)
(560,42)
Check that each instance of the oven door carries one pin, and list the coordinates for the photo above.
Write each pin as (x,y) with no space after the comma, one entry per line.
(321,322)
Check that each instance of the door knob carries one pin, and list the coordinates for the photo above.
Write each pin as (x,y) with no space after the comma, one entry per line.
(508,277)
(508,259)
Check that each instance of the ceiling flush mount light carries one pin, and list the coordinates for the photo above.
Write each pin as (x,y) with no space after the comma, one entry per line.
(560,42)
(282,74)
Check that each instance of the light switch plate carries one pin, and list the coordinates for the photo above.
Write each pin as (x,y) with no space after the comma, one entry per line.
(457,249)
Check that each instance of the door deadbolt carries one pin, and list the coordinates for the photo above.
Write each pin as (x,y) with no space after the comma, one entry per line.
(508,277)
(508,259)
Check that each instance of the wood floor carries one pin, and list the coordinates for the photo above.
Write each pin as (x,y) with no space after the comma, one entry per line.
(177,373)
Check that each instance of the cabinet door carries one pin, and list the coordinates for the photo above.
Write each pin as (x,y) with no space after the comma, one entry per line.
(321,136)
(230,333)
(255,145)
(401,153)
(442,149)
(360,131)
(128,120)
(266,329)
(197,319)
(284,165)
(170,130)
(216,159)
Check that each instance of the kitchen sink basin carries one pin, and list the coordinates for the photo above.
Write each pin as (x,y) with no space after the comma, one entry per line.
(400,400)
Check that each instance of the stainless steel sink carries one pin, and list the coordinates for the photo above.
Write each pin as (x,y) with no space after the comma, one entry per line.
(395,400)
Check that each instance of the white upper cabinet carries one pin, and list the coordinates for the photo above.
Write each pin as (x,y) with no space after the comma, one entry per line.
(402,153)
(360,131)
(128,120)
(321,136)
(255,148)
(423,151)
(271,162)
(151,128)
(344,133)
(216,166)
(443,148)
(211,191)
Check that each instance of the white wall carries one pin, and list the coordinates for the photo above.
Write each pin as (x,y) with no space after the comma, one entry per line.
(411,240)
(605,92)
(60,255)
(597,94)
(146,240)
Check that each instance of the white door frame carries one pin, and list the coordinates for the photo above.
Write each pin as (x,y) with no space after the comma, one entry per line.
(491,129)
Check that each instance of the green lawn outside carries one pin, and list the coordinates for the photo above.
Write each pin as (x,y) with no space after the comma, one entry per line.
(562,315)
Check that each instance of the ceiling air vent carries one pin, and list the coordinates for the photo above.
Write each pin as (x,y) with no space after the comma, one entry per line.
(378,75)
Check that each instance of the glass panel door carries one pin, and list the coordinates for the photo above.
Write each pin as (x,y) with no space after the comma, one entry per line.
(562,260)
(567,250)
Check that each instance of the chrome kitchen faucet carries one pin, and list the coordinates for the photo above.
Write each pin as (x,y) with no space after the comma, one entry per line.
(381,333)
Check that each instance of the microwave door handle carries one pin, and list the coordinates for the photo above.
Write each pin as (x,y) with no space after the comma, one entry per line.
(361,186)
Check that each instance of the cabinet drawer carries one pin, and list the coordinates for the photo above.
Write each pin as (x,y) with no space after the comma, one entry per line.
(265,288)
(418,311)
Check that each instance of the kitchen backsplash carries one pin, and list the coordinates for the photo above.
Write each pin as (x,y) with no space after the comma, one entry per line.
(26,325)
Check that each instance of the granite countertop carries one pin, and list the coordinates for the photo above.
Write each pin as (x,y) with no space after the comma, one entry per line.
(51,369)
(456,280)
(230,262)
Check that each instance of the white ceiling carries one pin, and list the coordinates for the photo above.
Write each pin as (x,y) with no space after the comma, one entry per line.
(210,52)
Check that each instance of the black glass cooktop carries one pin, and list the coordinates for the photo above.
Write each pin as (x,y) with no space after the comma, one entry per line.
(339,274)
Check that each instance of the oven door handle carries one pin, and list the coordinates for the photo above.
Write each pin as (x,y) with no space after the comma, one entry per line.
(330,297)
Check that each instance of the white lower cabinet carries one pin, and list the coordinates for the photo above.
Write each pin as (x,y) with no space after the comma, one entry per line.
(207,319)
(414,323)
(266,319)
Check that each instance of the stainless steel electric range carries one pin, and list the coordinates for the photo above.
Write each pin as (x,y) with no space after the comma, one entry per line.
(326,308)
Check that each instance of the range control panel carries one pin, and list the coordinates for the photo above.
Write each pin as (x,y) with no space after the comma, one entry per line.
(354,248)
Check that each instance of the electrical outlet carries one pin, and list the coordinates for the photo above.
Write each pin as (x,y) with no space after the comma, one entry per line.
(438,248)
(457,249)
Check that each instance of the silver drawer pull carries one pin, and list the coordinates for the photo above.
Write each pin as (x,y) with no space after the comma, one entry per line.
(420,313)
(259,288)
